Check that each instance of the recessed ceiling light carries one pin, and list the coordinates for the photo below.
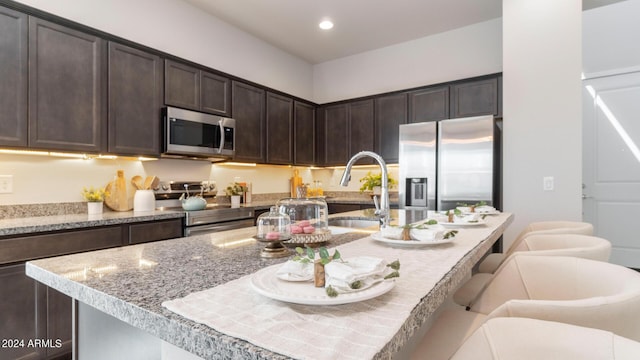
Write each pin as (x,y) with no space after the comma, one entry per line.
(326,25)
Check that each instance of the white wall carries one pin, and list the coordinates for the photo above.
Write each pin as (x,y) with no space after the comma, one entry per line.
(542,110)
(180,29)
(462,53)
(610,38)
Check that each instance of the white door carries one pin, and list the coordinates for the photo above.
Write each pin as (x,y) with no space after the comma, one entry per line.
(611,163)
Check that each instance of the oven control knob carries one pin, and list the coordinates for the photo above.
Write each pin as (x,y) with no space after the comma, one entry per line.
(165,187)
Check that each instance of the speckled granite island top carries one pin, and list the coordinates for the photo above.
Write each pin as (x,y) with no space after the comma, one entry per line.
(130,284)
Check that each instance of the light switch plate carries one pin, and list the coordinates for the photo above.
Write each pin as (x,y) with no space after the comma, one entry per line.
(547,183)
(6,184)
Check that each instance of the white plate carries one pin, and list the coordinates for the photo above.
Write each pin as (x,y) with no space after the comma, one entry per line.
(494,212)
(378,237)
(265,282)
(462,224)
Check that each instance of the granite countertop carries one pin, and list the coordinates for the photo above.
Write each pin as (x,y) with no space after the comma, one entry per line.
(140,277)
(130,283)
(35,224)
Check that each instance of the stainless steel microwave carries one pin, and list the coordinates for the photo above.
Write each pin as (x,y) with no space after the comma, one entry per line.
(194,134)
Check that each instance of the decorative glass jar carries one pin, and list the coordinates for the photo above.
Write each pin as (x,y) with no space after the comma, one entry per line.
(273,227)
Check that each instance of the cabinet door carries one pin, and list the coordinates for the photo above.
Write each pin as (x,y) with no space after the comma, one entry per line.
(336,134)
(59,320)
(135,100)
(247,106)
(14,75)
(304,123)
(40,245)
(361,129)
(430,104)
(391,112)
(279,129)
(474,98)
(182,85)
(155,230)
(215,94)
(23,313)
(67,84)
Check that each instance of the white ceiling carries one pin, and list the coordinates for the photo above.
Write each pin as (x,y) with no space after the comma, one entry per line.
(360,25)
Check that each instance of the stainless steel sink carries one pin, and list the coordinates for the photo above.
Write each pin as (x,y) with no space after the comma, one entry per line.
(355,223)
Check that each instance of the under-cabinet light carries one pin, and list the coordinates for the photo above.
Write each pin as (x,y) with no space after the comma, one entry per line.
(23,152)
(231,163)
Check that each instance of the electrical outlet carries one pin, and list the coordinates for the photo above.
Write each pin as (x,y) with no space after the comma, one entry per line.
(6,184)
(547,183)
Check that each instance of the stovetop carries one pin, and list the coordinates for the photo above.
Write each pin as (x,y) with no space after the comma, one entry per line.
(175,189)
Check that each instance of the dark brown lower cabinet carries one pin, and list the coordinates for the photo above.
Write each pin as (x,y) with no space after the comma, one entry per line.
(22,321)
(36,320)
(340,208)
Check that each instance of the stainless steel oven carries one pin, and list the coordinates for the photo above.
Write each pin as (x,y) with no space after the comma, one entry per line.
(215,217)
(194,134)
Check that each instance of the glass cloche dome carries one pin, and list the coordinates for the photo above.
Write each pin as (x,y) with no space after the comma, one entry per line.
(309,219)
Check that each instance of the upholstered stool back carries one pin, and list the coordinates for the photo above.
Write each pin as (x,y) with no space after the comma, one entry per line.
(493,261)
(565,289)
(520,338)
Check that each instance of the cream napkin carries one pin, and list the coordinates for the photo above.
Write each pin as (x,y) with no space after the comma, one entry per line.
(485,209)
(295,271)
(430,234)
(473,217)
(366,269)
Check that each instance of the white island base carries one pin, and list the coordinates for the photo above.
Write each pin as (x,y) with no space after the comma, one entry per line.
(103,337)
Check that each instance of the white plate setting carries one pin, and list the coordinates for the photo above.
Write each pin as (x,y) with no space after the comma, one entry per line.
(462,224)
(265,282)
(410,243)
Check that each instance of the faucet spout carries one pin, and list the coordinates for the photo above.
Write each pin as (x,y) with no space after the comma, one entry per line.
(383,209)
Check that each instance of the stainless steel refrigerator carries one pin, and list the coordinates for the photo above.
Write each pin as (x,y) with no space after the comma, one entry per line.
(444,163)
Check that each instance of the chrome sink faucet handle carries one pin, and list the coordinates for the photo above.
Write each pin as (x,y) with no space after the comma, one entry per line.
(382,209)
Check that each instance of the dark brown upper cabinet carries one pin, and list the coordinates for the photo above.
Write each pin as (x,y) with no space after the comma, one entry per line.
(347,129)
(14,75)
(391,112)
(429,104)
(135,101)
(192,88)
(248,108)
(216,94)
(361,129)
(279,129)
(335,130)
(182,85)
(304,139)
(67,88)
(475,98)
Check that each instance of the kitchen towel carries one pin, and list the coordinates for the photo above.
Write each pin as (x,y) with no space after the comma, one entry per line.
(350,331)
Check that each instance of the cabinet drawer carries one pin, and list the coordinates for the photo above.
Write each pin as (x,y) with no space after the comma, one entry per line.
(155,230)
(59,243)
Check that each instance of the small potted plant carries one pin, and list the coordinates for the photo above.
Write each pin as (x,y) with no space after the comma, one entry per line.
(95,199)
(235,191)
(373,182)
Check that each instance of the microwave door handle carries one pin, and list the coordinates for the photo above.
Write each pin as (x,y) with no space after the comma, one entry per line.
(221,125)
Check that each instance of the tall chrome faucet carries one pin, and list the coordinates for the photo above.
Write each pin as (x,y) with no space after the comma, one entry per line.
(382,208)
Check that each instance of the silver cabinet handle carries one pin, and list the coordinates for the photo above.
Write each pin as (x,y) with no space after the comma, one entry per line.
(584,196)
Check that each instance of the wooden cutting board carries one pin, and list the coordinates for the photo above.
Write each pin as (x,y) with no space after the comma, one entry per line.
(120,197)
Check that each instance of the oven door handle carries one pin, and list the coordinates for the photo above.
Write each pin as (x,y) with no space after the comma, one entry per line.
(204,229)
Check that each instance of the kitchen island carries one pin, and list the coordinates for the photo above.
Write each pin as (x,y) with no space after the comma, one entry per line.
(128,286)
